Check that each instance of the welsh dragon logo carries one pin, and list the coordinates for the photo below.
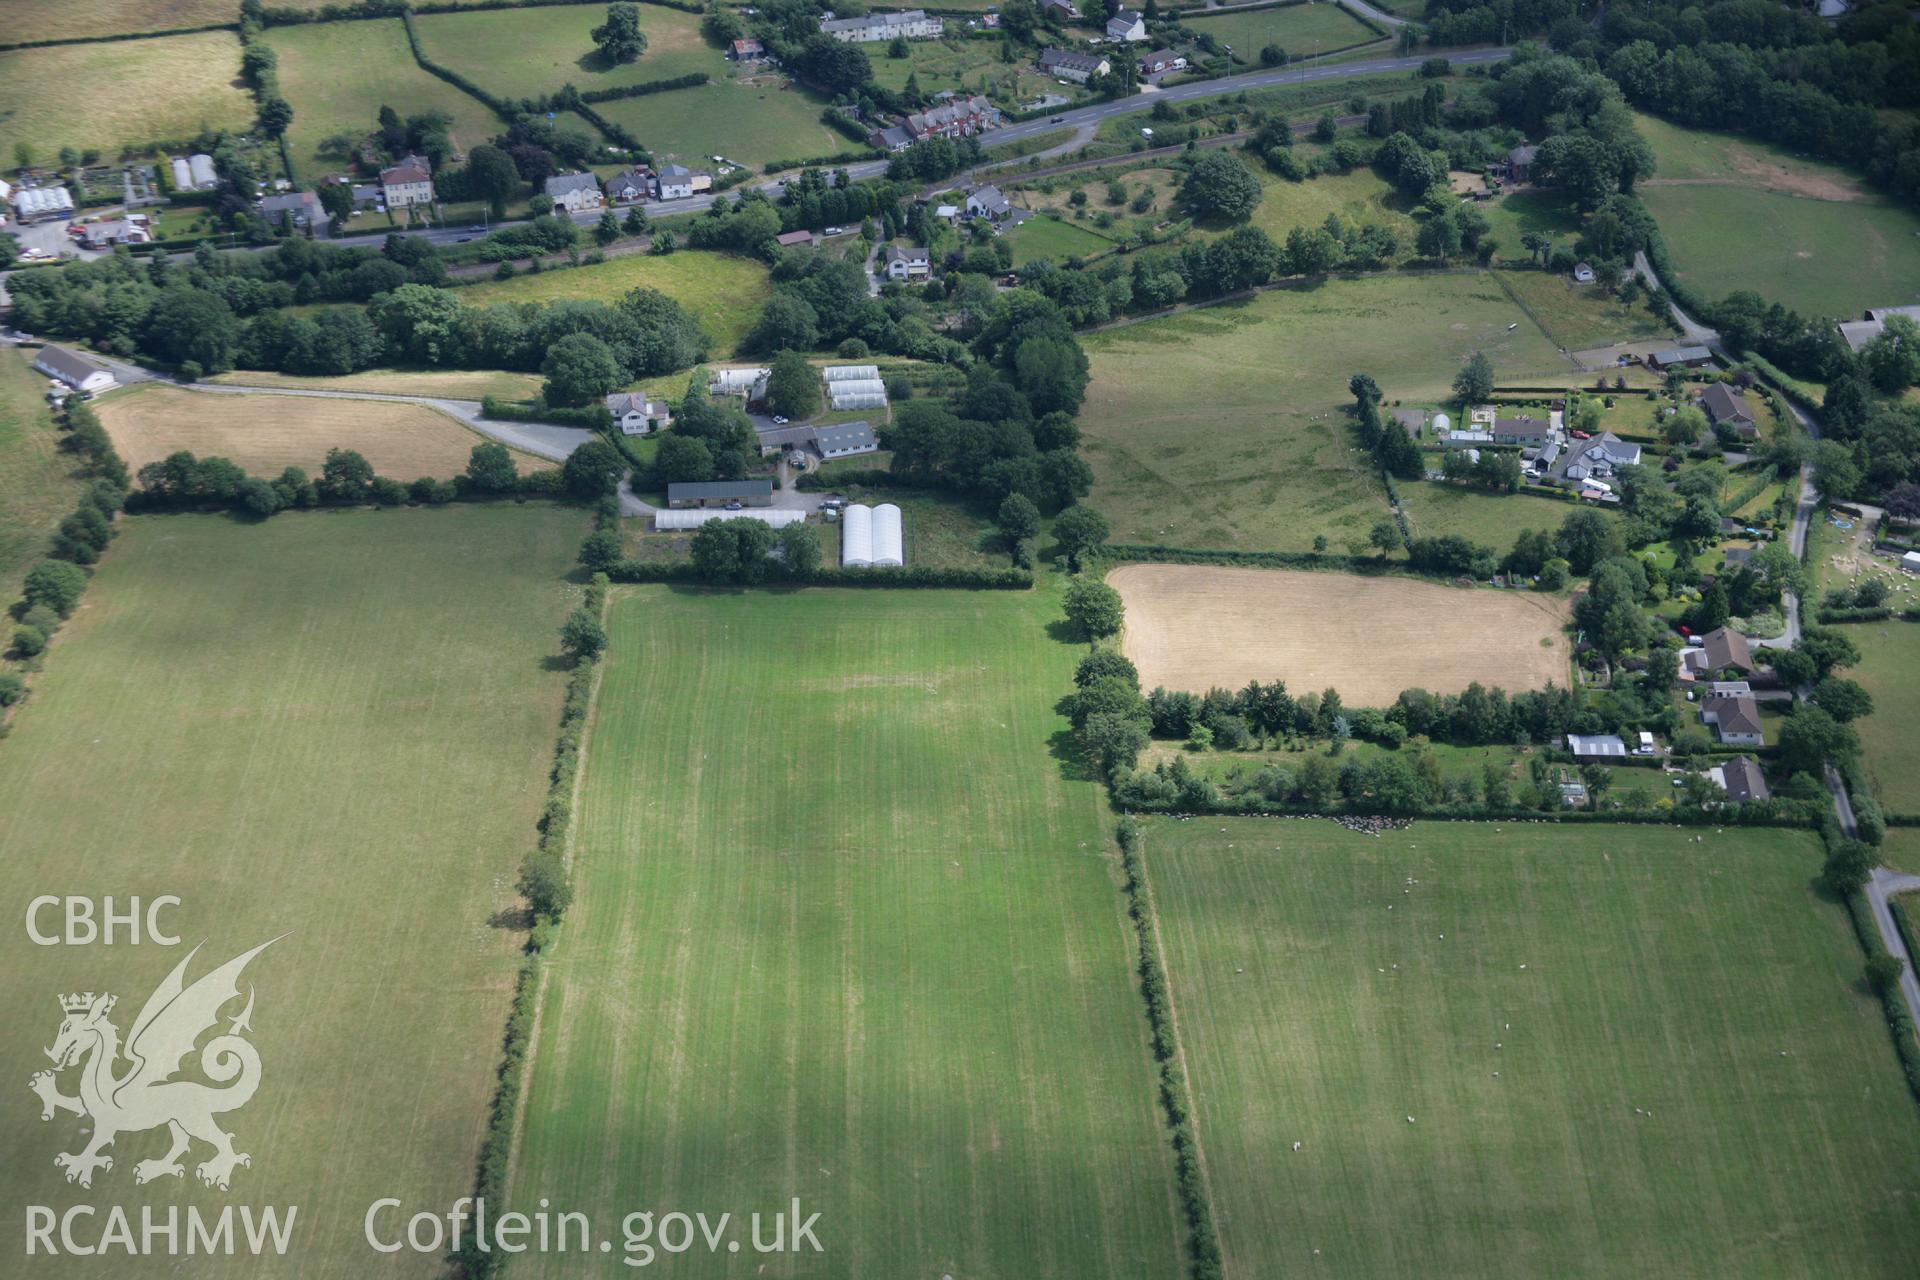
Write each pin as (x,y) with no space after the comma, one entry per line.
(144,1095)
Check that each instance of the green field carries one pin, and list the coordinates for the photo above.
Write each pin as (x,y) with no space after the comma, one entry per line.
(1740,214)
(1512,216)
(1579,316)
(723,292)
(333,726)
(1300,30)
(37,484)
(748,123)
(844,931)
(1226,426)
(526,53)
(1889,656)
(1049,237)
(124,93)
(1436,508)
(1690,1077)
(1358,198)
(338,75)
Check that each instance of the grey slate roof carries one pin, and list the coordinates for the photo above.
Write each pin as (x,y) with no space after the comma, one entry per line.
(758,488)
(567,183)
(845,436)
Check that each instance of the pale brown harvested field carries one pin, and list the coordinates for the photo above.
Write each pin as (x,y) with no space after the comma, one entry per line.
(267,434)
(1195,628)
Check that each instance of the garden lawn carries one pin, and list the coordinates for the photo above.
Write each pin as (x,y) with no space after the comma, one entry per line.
(1300,30)
(338,75)
(724,293)
(844,931)
(1589,1050)
(1740,214)
(334,727)
(1227,426)
(748,123)
(124,93)
(1579,316)
(1511,216)
(38,487)
(530,53)
(1048,237)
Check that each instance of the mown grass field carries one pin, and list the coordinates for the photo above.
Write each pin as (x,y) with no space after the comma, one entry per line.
(37,482)
(1623,1052)
(338,75)
(333,726)
(749,123)
(1226,426)
(724,293)
(120,94)
(450,384)
(266,434)
(526,53)
(1300,30)
(1579,316)
(58,20)
(843,931)
(1889,656)
(1740,214)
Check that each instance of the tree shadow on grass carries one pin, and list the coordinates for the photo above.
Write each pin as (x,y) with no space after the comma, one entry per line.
(516,919)
(1065,632)
(1064,747)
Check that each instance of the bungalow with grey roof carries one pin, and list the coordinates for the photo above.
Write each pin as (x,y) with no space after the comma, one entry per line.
(1742,780)
(1721,649)
(74,370)
(1066,64)
(1683,357)
(1722,403)
(1735,721)
(297,211)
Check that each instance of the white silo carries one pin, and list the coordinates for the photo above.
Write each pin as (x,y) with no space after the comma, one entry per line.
(887,545)
(856,537)
(182,175)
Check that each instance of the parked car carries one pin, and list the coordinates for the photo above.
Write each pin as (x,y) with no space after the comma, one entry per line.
(779,421)
(834,231)
(735,505)
(477,227)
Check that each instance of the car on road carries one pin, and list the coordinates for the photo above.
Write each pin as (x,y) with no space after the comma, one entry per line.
(479,226)
(463,239)
(834,231)
(1056,120)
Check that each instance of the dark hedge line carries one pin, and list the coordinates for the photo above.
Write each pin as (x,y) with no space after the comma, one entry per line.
(499,106)
(866,477)
(1203,1243)
(1879,613)
(116,37)
(910,576)
(1369,566)
(692,80)
(496,1148)
(594,417)
(1899,1021)
(364,9)
(1757,813)
(821,162)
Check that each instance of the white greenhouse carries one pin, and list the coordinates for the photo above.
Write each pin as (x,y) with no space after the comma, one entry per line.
(888,549)
(856,537)
(182,176)
(858,400)
(201,167)
(852,372)
(693,518)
